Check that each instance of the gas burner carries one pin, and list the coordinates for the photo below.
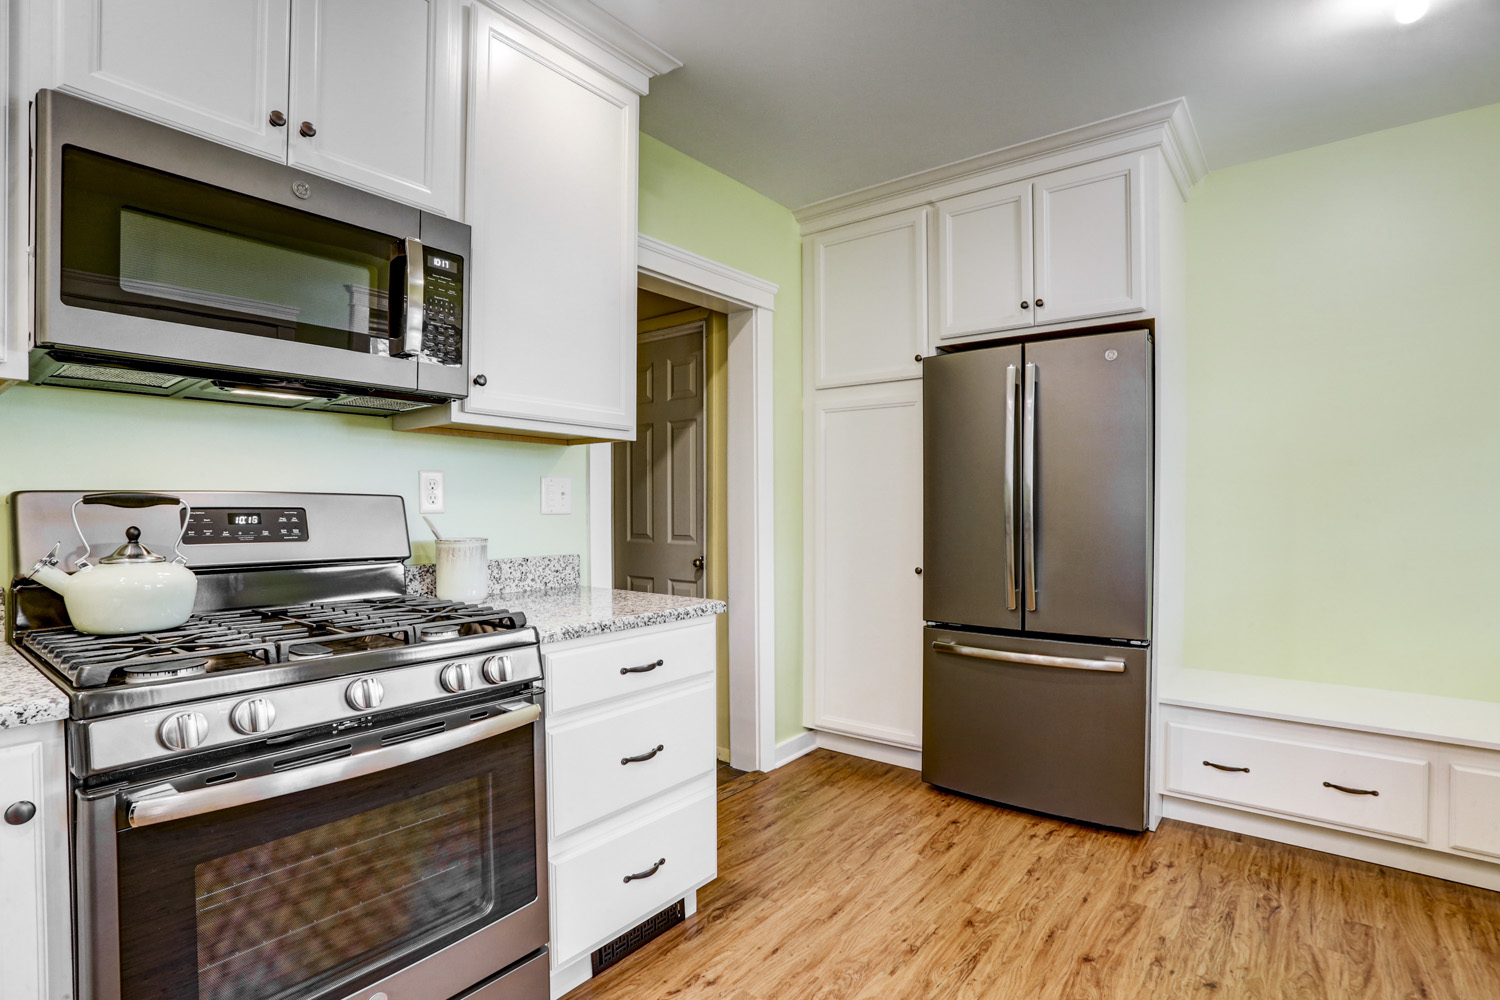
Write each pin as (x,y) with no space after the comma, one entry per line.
(439,632)
(308,651)
(146,673)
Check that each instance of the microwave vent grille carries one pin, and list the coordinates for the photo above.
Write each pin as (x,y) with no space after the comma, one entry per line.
(379,403)
(123,376)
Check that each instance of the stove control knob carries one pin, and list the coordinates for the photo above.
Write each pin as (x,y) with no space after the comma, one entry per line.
(364,694)
(497,669)
(456,677)
(252,716)
(183,731)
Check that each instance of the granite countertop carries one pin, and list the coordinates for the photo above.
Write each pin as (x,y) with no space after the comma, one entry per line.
(26,696)
(577,613)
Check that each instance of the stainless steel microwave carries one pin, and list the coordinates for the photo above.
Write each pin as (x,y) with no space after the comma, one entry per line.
(170,265)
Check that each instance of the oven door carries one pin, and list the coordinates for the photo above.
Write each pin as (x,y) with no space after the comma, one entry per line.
(407,861)
(162,246)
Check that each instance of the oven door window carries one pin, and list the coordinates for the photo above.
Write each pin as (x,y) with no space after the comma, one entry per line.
(321,893)
(142,242)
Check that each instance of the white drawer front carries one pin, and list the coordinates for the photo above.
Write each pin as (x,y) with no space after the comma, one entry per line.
(1296,778)
(590,674)
(589,780)
(1474,810)
(591,900)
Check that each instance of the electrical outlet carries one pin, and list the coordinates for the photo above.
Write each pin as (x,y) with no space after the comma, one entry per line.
(429,493)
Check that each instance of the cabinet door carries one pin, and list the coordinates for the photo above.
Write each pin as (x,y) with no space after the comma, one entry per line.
(551,197)
(24,872)
(1090,241)
(866,535)
(379,83)
(984,262)
(218,69)
(867,299)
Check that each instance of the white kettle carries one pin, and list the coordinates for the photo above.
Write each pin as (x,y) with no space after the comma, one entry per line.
(133,590)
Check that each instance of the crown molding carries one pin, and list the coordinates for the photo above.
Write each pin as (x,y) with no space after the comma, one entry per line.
(602,28)
(1167,125)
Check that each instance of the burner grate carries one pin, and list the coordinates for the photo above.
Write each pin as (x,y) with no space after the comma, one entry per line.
(259,637)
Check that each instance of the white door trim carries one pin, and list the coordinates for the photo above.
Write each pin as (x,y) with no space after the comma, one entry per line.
(749,302)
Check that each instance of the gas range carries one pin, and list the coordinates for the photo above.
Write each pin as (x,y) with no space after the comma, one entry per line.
(337,630)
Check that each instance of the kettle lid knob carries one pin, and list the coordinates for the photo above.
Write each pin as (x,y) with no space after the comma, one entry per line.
(132,551)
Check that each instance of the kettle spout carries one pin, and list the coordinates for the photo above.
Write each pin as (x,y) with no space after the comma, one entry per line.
(48,575)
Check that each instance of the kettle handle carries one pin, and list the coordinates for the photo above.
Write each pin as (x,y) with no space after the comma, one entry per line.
(132,501)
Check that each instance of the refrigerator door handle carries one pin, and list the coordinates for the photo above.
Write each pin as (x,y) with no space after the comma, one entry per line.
(1011,589)
(1032,659)
(1028,486)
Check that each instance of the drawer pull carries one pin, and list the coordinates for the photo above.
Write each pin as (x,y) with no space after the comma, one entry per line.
(647,873)
(1225,767)
(1351,791)
(643,756)
(643,668)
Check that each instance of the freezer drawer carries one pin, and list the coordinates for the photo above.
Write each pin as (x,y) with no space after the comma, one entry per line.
(1054,727)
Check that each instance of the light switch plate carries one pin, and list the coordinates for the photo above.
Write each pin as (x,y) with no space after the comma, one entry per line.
(557,495)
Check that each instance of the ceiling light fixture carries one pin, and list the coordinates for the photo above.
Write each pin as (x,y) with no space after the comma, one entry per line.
(1408,11)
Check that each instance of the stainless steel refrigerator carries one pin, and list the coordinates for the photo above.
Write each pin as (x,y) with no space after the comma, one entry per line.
(1037,574)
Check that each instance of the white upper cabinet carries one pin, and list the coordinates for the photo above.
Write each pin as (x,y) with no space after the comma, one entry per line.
(379,85)
(218,69)
(1091,241)
(984,261)
(1063,247)
(552,146)
(866,311)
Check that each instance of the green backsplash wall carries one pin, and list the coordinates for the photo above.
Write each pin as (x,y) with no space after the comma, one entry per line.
(78,439)
(1344,412)
(697,208)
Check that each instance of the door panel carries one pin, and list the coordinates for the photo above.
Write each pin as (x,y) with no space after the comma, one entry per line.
(966,553)
(866,513)
(660,501)
(984,262)
(380,80)
(1062,741)
(215,69)
(1091,531)
(1090,241)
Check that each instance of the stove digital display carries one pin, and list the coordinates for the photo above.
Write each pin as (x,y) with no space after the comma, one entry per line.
(223,526)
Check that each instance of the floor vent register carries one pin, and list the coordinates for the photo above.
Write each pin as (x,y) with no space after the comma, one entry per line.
(643,932)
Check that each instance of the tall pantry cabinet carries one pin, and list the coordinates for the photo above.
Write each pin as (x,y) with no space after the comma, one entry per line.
(1079,230)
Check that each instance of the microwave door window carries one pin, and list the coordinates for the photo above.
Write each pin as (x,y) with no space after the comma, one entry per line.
(143,242)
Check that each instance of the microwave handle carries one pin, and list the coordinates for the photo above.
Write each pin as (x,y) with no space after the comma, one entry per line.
(406,319)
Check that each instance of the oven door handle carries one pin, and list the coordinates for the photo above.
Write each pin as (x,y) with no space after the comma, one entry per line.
(165,804)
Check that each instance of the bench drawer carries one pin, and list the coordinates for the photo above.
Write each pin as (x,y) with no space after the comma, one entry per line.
(586,675)
(1361,790)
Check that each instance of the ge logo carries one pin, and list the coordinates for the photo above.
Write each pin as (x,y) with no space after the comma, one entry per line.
(302,189)
(1111,355)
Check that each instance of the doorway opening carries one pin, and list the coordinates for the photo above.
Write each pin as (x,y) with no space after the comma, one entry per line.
(671,484)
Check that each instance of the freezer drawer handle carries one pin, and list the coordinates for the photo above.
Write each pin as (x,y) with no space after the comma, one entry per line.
(1226,767)
(647,873)
(1351,791)
(1034,659)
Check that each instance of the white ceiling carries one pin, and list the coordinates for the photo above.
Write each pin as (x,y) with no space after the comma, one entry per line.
(806,99)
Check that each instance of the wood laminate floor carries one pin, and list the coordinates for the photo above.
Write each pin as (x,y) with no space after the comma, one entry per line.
(845,879)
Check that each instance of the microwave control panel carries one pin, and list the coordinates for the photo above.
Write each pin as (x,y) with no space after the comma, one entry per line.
(442,308)
(233,525)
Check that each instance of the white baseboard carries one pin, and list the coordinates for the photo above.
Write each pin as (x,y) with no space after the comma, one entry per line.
(790,749)
(871,750)
(571,976)
(1470,871)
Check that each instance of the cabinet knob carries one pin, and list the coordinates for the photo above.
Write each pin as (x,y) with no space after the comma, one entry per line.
(1025,304)
(278,119)
(20,813)
(919,359)
(1040,303)
(307,130)
(919,571)
(481,381)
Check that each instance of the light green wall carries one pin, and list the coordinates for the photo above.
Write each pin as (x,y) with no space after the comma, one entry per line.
(697,208)
(77,439)
(1344,412)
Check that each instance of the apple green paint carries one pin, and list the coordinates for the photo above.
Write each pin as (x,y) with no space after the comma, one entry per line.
(83,440)
(1343,412)
(697,208)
